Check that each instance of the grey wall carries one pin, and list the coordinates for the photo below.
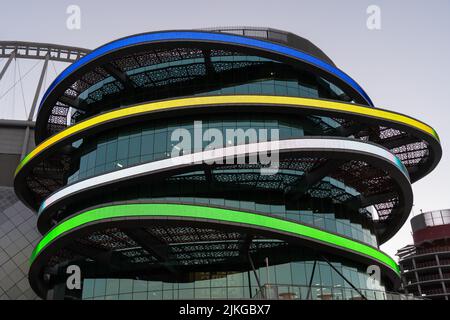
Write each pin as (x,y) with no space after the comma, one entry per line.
(18,237)
(11,141)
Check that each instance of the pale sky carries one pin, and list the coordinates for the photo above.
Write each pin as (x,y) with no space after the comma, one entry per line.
(404,67)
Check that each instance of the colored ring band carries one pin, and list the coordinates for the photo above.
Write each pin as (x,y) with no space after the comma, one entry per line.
(223,100)
(206,36)
(201,212)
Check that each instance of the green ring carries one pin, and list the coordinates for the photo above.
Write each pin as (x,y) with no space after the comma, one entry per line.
(218,214)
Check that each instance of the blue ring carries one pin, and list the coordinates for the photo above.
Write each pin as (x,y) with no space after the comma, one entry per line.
(193,35)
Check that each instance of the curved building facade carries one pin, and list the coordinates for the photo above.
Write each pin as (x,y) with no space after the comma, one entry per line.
(218,164)
(425,265)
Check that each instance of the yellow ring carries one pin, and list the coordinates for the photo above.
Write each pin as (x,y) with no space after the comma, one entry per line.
(218,100)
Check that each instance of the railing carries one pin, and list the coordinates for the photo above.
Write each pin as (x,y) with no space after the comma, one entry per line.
(426,264)
(430,277)
(420,251)
(434,277)
(433,292)
(433,250)
(280,292)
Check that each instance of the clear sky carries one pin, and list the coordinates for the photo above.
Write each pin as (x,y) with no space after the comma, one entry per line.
(404,67)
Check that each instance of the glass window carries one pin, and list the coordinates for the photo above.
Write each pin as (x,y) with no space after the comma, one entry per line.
(298,273)
(125,286)
(122,149)
(307,218)
(112,286)
(340,227)
(91,160)
(316,276)
(83,163)
(139,286)
(99,287)
(220,281)
(155,295)
(337,279)
(88,288)
(219,293)
(139,295)
(203,283)
(319,221)
(235,279)
(338,294)
(127,296)
(325,274)
(354,278)
(167,295)
(326,294)
(111,152)
(154,285)
(160,142)
(147,144)
(135,147)
(186,294)
(235,292)
(168,286)
(330,225)
(202,293)
(362,280)
(101,155)
(283,274)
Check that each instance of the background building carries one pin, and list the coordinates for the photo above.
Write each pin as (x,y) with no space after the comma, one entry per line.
(18,233)
(111,201)
(425,265)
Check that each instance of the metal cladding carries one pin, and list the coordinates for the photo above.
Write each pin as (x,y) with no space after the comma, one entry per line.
(112,197)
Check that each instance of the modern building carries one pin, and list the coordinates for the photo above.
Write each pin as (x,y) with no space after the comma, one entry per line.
(425,265)
(118,201)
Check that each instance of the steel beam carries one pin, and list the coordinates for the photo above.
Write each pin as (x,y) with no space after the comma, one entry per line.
(345,278)
(120,76)
(153,246)
(311,280)
(26,138)
(38,88)
(299,188)
(362,202)
(34,50)
(5,67)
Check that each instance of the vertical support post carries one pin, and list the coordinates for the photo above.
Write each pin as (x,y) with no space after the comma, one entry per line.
(441,275)
(26,138)
(5,67)
(345,279)
(249,284)
(255,274)
(419,288)
(311,279)
(404,283)
(39,86)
